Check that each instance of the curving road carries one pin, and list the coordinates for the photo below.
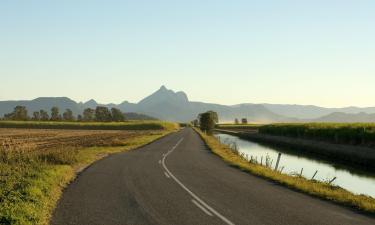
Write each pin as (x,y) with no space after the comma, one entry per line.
(177,180)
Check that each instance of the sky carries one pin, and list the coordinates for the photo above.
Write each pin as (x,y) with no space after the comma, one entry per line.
(241,51)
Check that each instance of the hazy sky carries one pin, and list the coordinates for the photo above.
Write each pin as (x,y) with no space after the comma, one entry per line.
(302,52)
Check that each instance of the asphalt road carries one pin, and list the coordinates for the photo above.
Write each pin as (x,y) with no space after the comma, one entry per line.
(177,180)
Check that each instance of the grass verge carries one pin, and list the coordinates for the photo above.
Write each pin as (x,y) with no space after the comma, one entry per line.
(315,188)
(31,182)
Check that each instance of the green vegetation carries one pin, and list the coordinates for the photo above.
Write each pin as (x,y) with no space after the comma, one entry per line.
(207,121)
(32,178)
(130,125)
(312,187)
(339,133)
(100,114)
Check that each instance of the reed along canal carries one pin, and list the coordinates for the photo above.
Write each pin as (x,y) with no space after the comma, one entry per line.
(354,180)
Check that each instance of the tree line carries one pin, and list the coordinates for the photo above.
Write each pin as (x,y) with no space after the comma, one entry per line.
(208,120)
(99,114)
(243,121)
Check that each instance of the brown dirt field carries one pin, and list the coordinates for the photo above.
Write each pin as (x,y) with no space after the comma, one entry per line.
(35,139)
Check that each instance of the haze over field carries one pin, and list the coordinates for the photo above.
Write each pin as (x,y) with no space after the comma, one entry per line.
(225,52)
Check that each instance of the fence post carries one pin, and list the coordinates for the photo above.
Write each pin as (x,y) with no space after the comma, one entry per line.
(278,161)
(312,178)
(332,180)
(301,172)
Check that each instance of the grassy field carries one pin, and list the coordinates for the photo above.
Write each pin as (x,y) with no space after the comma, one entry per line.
(311,187)
(339,133)
(36,164)
(129,125)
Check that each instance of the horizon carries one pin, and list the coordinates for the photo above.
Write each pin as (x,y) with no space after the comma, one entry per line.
(296,53)
(118,103)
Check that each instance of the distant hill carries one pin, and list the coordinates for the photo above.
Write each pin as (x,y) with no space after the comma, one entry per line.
(313,112)
(138,116)
(339,117)
(166,104)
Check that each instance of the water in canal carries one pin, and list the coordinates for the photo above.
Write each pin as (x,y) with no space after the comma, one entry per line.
(354,181)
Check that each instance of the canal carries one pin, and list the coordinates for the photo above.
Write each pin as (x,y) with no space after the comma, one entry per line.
(359,182)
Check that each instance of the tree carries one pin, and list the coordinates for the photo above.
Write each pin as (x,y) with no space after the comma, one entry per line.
(68,115)
(9,116)
(214,116)
(244,121)
(19,113)
(207,121)
(88,114)
(236,121)
(102,114)
(195,123)
(36,115)
(55,115)
(79,117)
(43,115)
(117,115)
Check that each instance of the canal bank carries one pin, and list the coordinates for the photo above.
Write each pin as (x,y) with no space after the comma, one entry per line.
(360,158)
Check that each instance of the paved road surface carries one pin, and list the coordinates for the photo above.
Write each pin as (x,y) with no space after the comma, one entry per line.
(177,181)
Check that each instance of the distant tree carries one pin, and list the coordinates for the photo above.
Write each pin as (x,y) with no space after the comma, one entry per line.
(79,118)
(207,121)
(117,115)
(19,113)
(88,114)
(55,115)
(244,121)
(236,121)
(68,115)
(43,115)
(36,116)
(102,114)
(9,116)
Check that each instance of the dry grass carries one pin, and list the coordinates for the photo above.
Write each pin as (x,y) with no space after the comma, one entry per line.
(314,188)
(35,166)
(128,125)
(39,139)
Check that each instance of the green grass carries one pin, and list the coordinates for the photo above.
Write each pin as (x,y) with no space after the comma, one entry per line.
(340,133)
(31,182)
(129,125)
(311,187)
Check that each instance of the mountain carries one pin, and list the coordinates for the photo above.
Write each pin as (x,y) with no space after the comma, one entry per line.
(45,103)
(138,116)
(339,117)
(308,112)
(166,104)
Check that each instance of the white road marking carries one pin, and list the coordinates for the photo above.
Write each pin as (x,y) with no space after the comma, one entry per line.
(201,207)
(195,197)
(165,173)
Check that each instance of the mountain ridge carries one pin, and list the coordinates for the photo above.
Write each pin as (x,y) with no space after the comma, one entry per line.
(167,104)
